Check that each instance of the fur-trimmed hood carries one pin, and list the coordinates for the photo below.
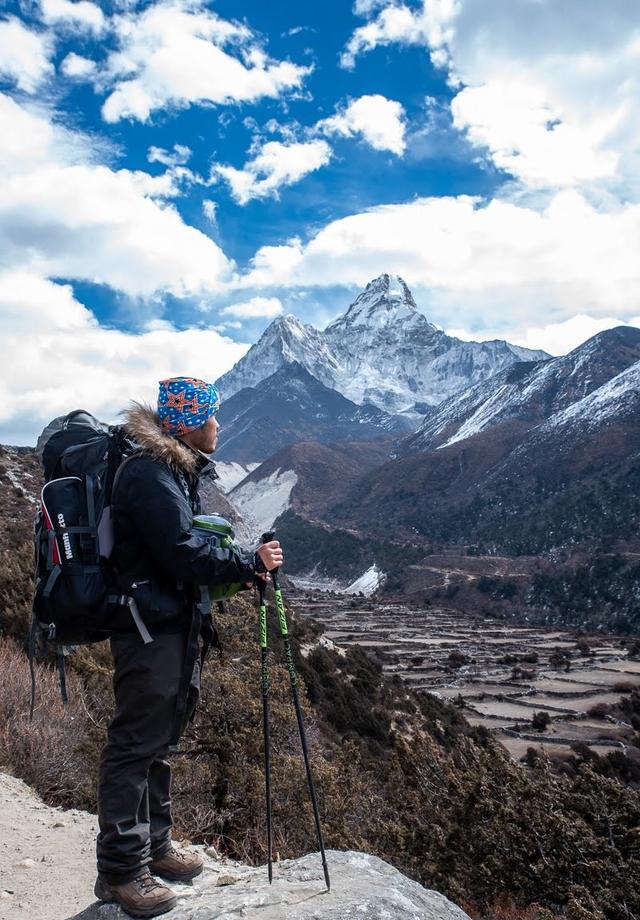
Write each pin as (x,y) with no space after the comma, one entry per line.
(142,423)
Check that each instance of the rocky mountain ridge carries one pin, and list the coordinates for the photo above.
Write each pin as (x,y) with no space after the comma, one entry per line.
(292,405)
(382,351)
(529,392)
(546,459)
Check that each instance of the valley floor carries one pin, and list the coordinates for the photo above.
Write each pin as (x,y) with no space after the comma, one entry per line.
(499,674)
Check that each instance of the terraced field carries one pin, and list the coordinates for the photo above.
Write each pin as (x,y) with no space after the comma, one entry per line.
(500,675)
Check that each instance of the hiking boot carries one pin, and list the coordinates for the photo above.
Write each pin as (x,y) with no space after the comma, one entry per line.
(177,865)
(144,896)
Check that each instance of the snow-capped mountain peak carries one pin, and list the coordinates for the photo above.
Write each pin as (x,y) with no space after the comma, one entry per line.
(382,350)
(385,300)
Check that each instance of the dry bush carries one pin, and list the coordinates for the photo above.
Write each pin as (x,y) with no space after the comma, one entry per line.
(599,711)
(16,590)
(503,907)
(624,686)
(46,752)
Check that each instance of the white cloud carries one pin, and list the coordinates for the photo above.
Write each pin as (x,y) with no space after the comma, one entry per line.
(77,67)
(209,209)
(24,55)
(505,263)
(257,307)
(396,22)
(380,121)
(554,338)
(176,157)
(276,164)
(555,105)
(78,14)
(74,362)
(512,120)
(178,52)
(64,216)
(559,338)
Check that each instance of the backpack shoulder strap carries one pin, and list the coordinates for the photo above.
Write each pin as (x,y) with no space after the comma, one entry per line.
(138,452)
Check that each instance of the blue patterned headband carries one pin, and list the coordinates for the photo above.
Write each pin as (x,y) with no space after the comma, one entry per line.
(185,403)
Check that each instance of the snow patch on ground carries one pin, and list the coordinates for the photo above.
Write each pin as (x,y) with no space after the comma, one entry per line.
(16,478)
(368,583)
(231,473)
(611,399)
(322,642)
(260,502)
(311,581)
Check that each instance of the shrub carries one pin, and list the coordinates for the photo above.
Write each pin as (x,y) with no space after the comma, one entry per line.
(599,711)
(456,659)
(541,720)
(49,752)
(624,686)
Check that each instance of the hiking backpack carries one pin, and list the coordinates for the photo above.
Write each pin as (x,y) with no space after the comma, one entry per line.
(73,534)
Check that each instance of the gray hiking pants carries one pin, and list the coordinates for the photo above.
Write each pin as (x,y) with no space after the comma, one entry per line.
(134,791)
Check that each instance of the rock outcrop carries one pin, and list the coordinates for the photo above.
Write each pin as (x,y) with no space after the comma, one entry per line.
(47,870)
(362,887)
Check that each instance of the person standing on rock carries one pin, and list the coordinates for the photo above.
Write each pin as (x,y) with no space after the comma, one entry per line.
(161,563)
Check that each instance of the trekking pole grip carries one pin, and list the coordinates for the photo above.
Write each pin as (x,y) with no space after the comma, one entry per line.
(267,537)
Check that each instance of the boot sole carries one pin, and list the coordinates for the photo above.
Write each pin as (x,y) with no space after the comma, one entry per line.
(176,878)
(108,897)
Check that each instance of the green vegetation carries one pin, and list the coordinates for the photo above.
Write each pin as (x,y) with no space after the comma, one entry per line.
(603,592)
(541,720)
(340,553)
(596,508)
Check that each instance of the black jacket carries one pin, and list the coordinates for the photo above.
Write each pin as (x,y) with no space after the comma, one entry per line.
(155,496)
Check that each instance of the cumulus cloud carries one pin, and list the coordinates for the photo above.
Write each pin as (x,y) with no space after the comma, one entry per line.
(554,338)
(65,216)
(275,164)
(257,307)
(24,55)
(495,264)
(178,156)
(552,105)
(77,67)
(396,22)
(528,137)
(175,53)
(73,13)
(378,120)
(74,362)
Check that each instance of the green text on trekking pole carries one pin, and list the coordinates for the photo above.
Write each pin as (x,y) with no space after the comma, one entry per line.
(264,651)
(284,631)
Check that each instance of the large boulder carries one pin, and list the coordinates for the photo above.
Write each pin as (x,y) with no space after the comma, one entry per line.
(362,887)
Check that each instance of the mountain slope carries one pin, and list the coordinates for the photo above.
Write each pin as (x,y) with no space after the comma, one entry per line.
(529,391)
(292,405)
(520,481)
(305,477)
(383,350)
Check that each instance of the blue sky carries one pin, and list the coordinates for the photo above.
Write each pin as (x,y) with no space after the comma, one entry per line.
(178,173)
(359,176)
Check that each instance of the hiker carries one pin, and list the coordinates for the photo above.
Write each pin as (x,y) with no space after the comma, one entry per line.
(156,684)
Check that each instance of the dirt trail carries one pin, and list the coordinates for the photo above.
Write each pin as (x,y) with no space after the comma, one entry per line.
(47,856)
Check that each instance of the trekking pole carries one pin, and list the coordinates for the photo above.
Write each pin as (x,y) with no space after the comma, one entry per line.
(264,650)
(288,655)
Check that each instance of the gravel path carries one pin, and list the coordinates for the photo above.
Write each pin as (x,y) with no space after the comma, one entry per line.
(47,856)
